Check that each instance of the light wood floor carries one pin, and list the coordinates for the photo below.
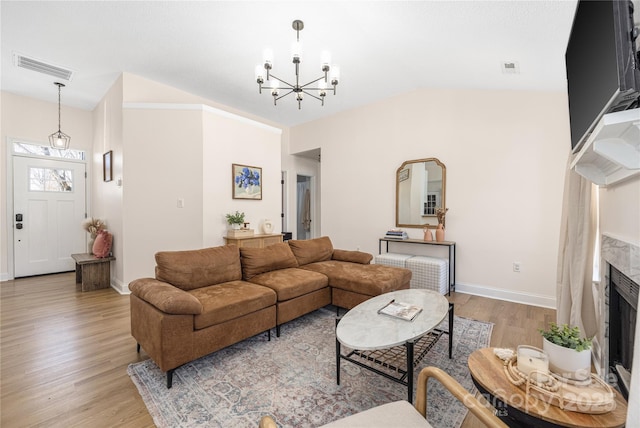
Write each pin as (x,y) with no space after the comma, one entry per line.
(64,354)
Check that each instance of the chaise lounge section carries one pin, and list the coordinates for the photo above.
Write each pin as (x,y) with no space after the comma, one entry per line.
(351,276)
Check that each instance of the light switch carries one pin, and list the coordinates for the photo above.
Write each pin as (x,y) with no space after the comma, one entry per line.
(180,203)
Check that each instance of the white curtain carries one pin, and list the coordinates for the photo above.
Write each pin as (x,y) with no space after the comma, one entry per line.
(575,304)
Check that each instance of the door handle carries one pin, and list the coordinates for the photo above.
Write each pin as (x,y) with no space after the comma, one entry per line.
(18,217)
(18,225)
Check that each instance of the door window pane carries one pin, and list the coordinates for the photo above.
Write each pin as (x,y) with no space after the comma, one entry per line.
(37,150)
(50,180)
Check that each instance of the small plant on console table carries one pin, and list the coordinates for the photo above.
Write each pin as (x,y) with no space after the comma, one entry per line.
(235,220)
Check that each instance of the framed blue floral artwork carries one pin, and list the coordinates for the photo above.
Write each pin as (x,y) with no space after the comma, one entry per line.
(247,182)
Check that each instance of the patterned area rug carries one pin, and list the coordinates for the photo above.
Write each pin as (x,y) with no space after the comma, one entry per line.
(293,379)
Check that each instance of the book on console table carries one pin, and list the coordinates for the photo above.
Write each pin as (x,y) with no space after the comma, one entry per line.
(404,311)
(396,234)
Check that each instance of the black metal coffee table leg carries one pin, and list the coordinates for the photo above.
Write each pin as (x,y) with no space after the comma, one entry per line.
(410,370)
(450,329)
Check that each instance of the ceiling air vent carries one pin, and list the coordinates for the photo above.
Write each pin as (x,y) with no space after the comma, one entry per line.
(33,64)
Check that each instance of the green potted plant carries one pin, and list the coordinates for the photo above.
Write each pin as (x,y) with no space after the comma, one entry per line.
(569,353)
(235,220)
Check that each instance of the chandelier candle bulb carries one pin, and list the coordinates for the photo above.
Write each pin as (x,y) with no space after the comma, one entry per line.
(259,77)
(532,359)
(335,77)
(267,55)
(296,51)
(325,60)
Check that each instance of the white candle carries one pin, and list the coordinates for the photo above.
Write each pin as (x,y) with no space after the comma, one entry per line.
(530,359)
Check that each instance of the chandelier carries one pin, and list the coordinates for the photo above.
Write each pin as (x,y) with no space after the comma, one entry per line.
(59,140)
(275,84)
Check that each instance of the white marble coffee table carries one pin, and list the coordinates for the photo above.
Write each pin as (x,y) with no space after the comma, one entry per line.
(363,329)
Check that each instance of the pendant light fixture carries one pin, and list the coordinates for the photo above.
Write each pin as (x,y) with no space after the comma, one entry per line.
(277,85)
(59,140)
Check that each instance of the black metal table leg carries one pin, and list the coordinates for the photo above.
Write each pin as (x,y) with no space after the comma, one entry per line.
(451,306)
(337,357)
(410,370)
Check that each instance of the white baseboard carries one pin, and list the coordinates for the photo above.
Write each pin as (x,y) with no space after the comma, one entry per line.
(509,296)
(120,287)
(4,276)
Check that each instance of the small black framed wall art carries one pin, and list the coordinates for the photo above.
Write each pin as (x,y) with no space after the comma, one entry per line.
(107,166)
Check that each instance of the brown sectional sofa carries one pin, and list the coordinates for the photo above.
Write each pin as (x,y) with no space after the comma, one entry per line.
(204,300)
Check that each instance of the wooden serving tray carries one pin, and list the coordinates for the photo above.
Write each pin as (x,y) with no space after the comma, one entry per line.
(595,398)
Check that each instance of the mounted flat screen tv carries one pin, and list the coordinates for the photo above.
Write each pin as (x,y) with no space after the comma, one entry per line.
(602,65)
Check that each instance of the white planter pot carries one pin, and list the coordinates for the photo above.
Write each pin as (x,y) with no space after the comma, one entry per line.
(568,363)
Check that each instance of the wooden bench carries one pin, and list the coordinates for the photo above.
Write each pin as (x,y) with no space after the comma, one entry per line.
(92,273)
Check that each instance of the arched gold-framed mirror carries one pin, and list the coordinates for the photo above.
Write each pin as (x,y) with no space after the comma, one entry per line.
(420,190)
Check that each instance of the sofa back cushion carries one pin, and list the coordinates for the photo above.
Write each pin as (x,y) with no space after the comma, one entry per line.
(261,260)
(193,269)
(312,250)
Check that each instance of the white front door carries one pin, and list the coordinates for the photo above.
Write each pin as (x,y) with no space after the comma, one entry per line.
(48,211)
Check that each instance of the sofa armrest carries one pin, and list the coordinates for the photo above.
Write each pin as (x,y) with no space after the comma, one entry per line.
(165,297)
(352,256)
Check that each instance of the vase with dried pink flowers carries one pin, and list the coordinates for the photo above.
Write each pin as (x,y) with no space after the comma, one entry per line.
(440,213)
(93,226)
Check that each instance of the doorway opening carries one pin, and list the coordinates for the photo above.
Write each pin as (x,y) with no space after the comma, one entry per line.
(303,207)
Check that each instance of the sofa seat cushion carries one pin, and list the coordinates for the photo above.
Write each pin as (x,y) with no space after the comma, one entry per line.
(230,300)
(371,280)
(396,414)
(256,261)
(312,250)
(291,283)
(199,268)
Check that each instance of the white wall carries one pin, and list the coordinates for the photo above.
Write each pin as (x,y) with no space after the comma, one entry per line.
(33,121)
(505,154)
(106,201)
(162,163)
(228,140)
(620,211)
(178,147)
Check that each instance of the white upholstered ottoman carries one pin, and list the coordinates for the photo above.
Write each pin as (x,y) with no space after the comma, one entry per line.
(392,259)
(430,273)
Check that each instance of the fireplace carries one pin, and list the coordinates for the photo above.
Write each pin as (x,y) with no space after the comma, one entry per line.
(623,310)
(616,304)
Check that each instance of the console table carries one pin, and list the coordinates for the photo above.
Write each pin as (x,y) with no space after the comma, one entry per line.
(255,241)
(450,244)
(92,273)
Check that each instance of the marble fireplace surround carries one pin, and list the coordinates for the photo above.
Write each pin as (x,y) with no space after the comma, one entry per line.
(625,257)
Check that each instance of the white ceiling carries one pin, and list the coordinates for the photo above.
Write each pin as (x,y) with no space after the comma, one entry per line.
(211,48)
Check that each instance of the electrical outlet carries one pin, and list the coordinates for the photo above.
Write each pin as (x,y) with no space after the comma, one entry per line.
(516,267)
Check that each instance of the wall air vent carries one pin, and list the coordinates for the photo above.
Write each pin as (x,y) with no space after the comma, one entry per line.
(510,67)
(33,64)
